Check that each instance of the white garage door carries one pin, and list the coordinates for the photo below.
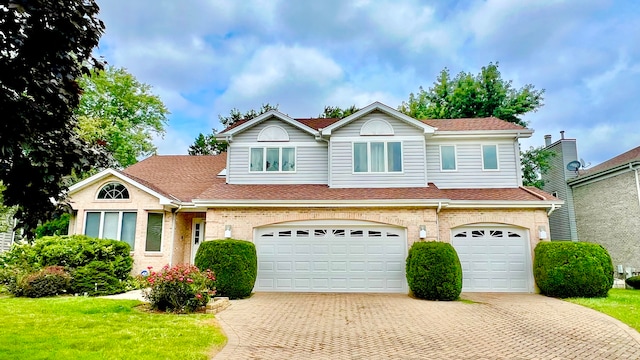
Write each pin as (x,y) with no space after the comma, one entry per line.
(494,259)
(331,259)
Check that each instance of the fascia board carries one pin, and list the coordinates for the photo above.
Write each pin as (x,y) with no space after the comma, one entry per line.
(384,108)
(321,203)
(107,172)
(604,174)
(502,204)
(263,117)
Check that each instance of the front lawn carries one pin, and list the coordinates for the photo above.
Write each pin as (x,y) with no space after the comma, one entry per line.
(621,304)
(91,328)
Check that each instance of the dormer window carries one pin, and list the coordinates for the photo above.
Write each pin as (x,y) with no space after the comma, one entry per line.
(273,133)
(376,127)
(272,159)
(113,191)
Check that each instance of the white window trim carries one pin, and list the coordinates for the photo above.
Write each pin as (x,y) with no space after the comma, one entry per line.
(497,156)
(455,157)
(148,252)
(112,200)
(101,226)
(386,157)
(264,159)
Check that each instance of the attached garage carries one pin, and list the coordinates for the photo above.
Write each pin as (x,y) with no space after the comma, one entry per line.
(494,259)
(335,257)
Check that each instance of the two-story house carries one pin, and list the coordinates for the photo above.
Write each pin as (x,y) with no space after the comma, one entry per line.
(333,205)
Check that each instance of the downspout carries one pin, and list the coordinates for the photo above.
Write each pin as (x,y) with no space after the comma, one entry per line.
(438,220)
(319,137)
(637,182)
(553,208)
(173,232)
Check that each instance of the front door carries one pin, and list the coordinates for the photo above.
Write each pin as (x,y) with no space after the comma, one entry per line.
(197,237)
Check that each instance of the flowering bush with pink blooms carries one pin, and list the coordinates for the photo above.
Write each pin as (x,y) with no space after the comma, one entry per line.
(182,288)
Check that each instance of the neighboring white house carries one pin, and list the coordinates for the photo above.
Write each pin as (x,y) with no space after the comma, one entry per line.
(333,205)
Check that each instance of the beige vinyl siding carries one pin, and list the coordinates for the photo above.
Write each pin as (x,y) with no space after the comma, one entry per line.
(413,155)
(469,172)
(311,157)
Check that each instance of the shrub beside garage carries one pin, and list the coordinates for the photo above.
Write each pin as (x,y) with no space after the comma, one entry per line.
(572,269)
(234,263)
(434,271)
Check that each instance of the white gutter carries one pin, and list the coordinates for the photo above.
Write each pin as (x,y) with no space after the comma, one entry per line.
(553,208)
(438,220)
(173,233)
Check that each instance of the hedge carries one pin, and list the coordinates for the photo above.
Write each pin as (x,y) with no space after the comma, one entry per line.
(572,269)
(434,271)
(234,263)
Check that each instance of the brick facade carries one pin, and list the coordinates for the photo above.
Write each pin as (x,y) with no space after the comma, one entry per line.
(608,213)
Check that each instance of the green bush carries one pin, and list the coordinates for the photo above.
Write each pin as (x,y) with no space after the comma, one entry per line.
(182,288)
(633,281)
(90,260)
(434,271)
(50,281)
(96,278)
(235,264)
(572,269)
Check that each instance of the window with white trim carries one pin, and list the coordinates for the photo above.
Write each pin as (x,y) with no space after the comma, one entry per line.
(377,156)
(116,225)
(281,159)
(113,191)
(489,157)
(448,158)
(153,241)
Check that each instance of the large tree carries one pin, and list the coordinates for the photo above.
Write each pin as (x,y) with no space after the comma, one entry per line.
(121,114)
(482,95)
(209,145)
(338,112)
(46,46)
(467,95)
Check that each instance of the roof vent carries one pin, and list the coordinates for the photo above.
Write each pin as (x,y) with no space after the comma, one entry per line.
(547,140)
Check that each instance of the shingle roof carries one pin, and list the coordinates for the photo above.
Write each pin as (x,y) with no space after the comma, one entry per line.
(180,176)
(625,158)
(189,178)
(467,124)
(470,124)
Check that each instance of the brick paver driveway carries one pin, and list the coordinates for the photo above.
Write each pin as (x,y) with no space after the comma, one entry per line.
(377,326)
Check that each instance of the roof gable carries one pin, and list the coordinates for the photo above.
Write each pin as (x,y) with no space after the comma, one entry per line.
(242,125)
(380,107)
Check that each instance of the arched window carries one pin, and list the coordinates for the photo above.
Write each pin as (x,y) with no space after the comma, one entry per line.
(273,133)
(376,127)
(113,191)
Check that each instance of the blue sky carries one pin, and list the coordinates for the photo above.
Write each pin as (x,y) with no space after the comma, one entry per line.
(204,58)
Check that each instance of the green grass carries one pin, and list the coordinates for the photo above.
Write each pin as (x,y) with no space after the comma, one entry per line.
(91,328)
(621,304)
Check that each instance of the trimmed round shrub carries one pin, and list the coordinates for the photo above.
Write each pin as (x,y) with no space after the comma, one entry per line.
(434,271)
(633,281)
(50,281)
(235,264)
(182,288)
(572,269)
(96,278)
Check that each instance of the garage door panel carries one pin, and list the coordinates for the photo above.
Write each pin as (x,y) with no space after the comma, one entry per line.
(493,259)
(342,259)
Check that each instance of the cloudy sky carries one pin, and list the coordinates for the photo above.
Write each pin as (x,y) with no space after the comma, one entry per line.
(204,58)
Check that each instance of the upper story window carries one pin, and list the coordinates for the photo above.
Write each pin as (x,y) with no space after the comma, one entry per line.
(489,157)
(280,159)
(376,127)
(448,158)
(112,191)
(377,156)
(273,133)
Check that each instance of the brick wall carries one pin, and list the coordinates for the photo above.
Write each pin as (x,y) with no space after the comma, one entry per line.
(607,212)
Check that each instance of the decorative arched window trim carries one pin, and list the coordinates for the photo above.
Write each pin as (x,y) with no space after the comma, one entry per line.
(376,127)
(113,191)
(273,133)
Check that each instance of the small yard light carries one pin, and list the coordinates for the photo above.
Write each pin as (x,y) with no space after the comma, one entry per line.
(542,233)
(227,231)
(423,231)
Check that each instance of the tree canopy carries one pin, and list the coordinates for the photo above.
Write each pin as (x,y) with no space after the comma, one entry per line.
(236,114)
(338,112)
(46,47)
(120,113)
(467,95)
(535,162)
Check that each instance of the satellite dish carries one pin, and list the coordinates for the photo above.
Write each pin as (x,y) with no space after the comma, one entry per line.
(584,165)
(574,165)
